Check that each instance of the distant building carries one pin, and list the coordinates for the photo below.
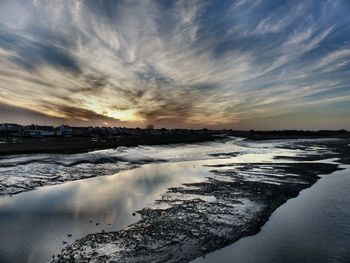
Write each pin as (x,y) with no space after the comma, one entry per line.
(38,133)
(10,127)
(38,127)
(64,130)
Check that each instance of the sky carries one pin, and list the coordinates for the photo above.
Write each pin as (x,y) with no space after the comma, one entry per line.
(240,64)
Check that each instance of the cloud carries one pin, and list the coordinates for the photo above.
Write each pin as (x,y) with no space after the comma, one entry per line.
(182,63)
(12,114)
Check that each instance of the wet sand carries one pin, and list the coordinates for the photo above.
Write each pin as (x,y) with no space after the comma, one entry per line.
(198,218)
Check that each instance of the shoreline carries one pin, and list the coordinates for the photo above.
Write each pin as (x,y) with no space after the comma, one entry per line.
(52,169)
(307,220)
(71,145)
(11,145)
(227,207)
(233,203)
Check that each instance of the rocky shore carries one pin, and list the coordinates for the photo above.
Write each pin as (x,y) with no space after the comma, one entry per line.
(195,219)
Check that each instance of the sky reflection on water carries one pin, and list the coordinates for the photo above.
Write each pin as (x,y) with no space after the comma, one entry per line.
(34,224)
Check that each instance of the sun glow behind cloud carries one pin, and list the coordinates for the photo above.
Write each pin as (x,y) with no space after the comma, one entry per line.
(240,64)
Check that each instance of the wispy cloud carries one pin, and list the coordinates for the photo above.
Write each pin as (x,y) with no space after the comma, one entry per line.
(175,63)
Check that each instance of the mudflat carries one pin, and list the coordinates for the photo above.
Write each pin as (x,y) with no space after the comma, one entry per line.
(22,145)
(195,219)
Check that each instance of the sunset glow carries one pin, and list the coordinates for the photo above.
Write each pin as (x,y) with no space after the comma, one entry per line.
(222,64)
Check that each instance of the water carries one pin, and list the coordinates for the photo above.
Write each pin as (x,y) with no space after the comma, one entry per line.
(314,227)
(36,224)
(33,225)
